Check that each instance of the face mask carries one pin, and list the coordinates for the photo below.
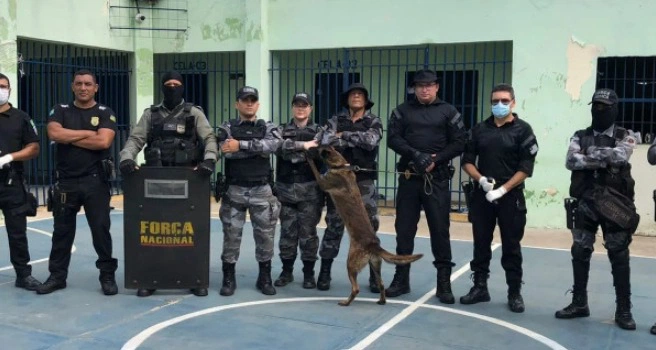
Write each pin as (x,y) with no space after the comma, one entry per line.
(500,110)
(4,96)
(603,118)
(172,96)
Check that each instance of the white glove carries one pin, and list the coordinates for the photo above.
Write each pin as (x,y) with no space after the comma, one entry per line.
(5,160)
(485,185)
(495,194)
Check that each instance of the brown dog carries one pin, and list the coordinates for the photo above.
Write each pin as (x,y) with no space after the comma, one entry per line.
(365,247)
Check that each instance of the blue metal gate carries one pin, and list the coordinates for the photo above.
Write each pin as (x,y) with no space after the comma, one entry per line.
(467,71)
(45,77)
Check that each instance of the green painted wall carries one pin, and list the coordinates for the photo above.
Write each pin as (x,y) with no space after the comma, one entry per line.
(555,45)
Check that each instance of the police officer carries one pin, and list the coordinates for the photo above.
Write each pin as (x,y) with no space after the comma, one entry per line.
(299,194)
(598,157)
(427,133)
(354,132)
(83,131)
(651,157)
(173,132)
(18,142)
(499,156)
(247,145)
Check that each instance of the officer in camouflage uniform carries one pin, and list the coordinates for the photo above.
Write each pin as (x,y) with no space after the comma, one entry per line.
(299,194)
(173,132)
(599,156)
(651,157)
(248,143)
(354,132)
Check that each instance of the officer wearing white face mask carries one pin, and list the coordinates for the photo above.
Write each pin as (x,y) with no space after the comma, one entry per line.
(499,156)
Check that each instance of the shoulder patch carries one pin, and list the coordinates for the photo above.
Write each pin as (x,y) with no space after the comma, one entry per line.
(112,118)
(64,106)
(52,111)
(102,108)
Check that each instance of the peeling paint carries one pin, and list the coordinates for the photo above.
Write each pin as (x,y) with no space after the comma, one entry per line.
(580,66)
(8,54)
(231,28)
(254,32)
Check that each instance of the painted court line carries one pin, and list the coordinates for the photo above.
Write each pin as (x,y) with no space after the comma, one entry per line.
(10,267)
(370,339)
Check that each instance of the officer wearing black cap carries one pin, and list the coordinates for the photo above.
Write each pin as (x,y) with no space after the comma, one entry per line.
(175,133)
(83,131)
(298,192)
(499,156)
(354,132)
(247,144)
(427,133)
(598,157)
(18,142)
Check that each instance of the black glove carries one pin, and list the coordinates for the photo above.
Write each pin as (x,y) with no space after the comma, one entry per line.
(207,167)
(422,161)
(127,166)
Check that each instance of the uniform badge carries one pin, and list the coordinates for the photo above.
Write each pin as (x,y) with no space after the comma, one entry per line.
(95,120)
(180,128)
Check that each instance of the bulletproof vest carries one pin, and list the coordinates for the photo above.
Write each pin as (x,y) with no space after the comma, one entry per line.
(616,177)
(254,168)
(355,155)
(175,136)
(288,172)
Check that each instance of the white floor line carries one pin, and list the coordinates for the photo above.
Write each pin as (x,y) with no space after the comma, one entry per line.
(406,312)
(45,233)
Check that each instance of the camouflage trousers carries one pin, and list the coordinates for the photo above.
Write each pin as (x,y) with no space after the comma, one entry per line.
(332,237)
(587,223)
(300,213)
(264,210)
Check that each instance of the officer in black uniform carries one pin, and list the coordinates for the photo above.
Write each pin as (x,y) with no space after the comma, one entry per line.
(427,133)
(175,133)
(84,131)
(354,132)
(651,157)
(598,157)
(499,156)
(18,142)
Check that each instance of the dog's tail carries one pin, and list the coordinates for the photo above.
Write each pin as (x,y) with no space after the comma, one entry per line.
(397,259)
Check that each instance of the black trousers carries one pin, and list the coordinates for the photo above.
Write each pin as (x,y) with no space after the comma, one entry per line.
(11,198)
(509,212)
(93,194)
(411,197)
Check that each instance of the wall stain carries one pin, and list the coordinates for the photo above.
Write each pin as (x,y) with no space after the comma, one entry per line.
(231,28)
(144,64)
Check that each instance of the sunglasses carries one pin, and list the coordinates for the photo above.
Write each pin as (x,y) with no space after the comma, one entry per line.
(505,101)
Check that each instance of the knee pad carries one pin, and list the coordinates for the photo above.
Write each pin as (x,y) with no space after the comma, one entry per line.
(618,256)
(580,252)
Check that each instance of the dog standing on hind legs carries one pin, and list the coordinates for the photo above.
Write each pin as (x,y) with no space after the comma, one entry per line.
(339,182)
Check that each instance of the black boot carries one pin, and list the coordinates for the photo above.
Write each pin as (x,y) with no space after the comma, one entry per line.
(373,284)
(229,282)
(308,274)
(108,283)
(444,292)
(578,307)
(264,279)
(323,282)
(400,283)
(478,293)
(286,276)
(653,329)
(621,270)
(623,316)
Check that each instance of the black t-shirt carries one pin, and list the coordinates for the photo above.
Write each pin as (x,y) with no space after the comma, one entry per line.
(502,151)
(16,130)
(74,161)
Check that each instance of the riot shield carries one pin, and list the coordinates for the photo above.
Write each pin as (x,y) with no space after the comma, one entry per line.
(166,228)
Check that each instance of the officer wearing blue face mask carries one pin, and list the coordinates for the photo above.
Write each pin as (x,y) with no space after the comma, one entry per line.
(499,156)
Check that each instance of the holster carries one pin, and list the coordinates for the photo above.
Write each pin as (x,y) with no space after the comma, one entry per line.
(28,208)
(50,198)
(571,205)
(468,190)
(107,169)
(153,156)
(220,187)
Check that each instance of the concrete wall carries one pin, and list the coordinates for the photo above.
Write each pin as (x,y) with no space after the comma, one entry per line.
(555,47)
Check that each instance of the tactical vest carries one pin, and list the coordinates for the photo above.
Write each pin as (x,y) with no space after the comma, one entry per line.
(288,172)
(355,155)
(254,169)
(617,177)
(175,136)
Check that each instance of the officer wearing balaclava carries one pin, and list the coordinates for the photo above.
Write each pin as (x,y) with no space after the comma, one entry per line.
(598,157)
(175,133)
